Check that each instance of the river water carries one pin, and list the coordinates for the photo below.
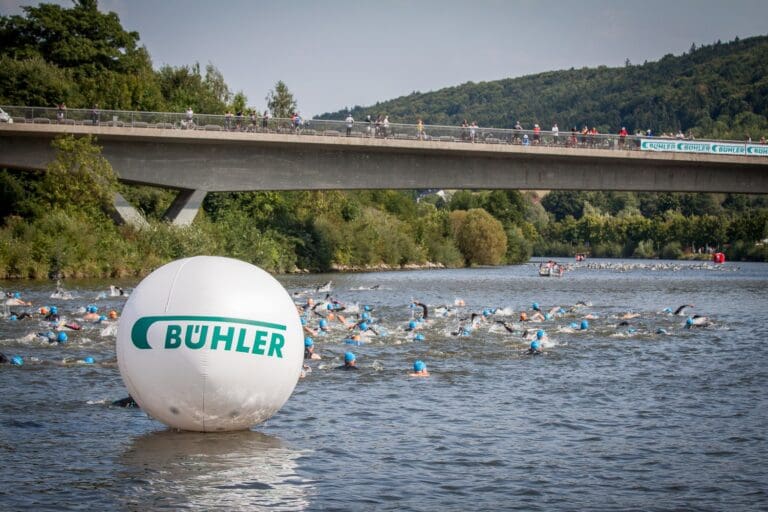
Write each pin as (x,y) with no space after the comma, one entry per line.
(610,418)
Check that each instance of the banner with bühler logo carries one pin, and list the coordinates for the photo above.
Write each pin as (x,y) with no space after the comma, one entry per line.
(712,148)
(212,332)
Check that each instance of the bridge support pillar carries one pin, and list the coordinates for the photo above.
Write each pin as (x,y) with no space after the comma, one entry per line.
(184,208)
(127,214)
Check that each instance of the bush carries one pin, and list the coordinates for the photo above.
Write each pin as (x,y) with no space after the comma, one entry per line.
(672,251)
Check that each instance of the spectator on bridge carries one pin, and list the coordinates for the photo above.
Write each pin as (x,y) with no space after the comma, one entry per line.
(265,120)
(762,139)
(555,134)
(61,112)
(228,120)
(464,130)
(239,120)
(385,126)
(473,131)
(536,134)
(420,129)
(95,113)
(297,122)
(680,135)
(526,142)
(584,133)
(190,118)
(517,132)
(350,123)
(623,136)
(254,120)
(574,139)
(649,133)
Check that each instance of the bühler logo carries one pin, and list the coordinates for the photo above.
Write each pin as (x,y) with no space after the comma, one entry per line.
(214,332)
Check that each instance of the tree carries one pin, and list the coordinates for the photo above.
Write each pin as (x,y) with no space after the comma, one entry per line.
(78,180)
(280,101)
(479,237)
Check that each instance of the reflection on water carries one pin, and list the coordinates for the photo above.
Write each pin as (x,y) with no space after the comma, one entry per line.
(226,471)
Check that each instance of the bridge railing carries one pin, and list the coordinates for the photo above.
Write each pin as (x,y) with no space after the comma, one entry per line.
(371,129)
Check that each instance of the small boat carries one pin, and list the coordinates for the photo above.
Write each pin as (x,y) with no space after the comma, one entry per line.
(551,269)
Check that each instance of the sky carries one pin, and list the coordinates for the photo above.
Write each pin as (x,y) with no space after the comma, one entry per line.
(338,54)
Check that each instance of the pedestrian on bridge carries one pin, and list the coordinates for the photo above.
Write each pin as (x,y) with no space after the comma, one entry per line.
(350,123)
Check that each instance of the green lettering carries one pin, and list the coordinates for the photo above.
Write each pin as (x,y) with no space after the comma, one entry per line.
(241,342)
(226,338)
(172,336)
(259,342)
(202,330)
(276,344)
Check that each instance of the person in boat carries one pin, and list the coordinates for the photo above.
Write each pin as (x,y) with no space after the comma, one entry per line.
(419,369)
(350,362)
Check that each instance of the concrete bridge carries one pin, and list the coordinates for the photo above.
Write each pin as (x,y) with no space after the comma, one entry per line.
(195,162)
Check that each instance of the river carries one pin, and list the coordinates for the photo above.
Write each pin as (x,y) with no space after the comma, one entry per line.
(609,418)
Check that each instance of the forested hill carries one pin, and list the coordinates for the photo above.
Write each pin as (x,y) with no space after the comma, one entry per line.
(719,90)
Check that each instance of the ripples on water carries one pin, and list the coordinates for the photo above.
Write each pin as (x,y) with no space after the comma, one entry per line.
(606,420)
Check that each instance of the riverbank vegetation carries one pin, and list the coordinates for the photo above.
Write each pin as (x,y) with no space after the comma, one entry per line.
(60,223)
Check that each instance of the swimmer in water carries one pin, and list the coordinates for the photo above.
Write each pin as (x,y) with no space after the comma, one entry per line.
(697,321)
(534,349)
(21,316)
(680,310)
(309,349)
(419,369)
(424,310)
(350,362)
(127,402)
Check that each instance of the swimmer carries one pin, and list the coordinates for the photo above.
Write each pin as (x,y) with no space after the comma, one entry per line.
(506,325)
(350,362)
(535,349)
(424,310)
(419,369)
(679,311)
(629,315)
(127,402)
(363,326)
(21,316)
(697,321)
(309,349)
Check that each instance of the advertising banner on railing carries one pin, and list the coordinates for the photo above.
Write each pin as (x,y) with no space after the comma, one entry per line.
(712,148)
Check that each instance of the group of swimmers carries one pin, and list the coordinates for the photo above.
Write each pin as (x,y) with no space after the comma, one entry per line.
(57,325)
(355,323)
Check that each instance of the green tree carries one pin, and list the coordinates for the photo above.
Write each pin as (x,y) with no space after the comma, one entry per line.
(280,101)
(479,237)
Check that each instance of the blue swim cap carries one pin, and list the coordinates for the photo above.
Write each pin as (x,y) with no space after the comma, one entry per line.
(535,306)
(573,325)
(363,326)
(419,337)
(323,322)
(539,334)
(367,308)
(667,310)
(88,360)
(17,361)
(53,310)
(419,365)
(12,317)
(303,321)
(486,312)
(689,321)
(661,330)
(584,325)
(308,342)
(17,295)
(329,306)
(366,316)
(535,345)
(102,318)
(631,330)
(547,316)
(92,308)
(349,357)
(412,324)
(50,334)
(62,337)
(561,311)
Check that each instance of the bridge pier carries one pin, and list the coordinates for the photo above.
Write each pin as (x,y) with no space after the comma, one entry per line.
(184,208)
(125,213)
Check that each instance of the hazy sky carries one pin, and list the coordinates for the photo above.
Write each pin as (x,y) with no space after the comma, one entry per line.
(334,54)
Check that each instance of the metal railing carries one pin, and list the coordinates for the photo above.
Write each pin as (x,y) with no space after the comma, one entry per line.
(252,123)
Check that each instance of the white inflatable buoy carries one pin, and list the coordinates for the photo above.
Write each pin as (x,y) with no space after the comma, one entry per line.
(209,344)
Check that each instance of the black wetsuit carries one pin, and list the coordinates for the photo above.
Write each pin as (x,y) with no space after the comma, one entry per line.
(679,310)
(347,367)
(22,315)
(424,310)
(4,359)
(308,353)
(127,402)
